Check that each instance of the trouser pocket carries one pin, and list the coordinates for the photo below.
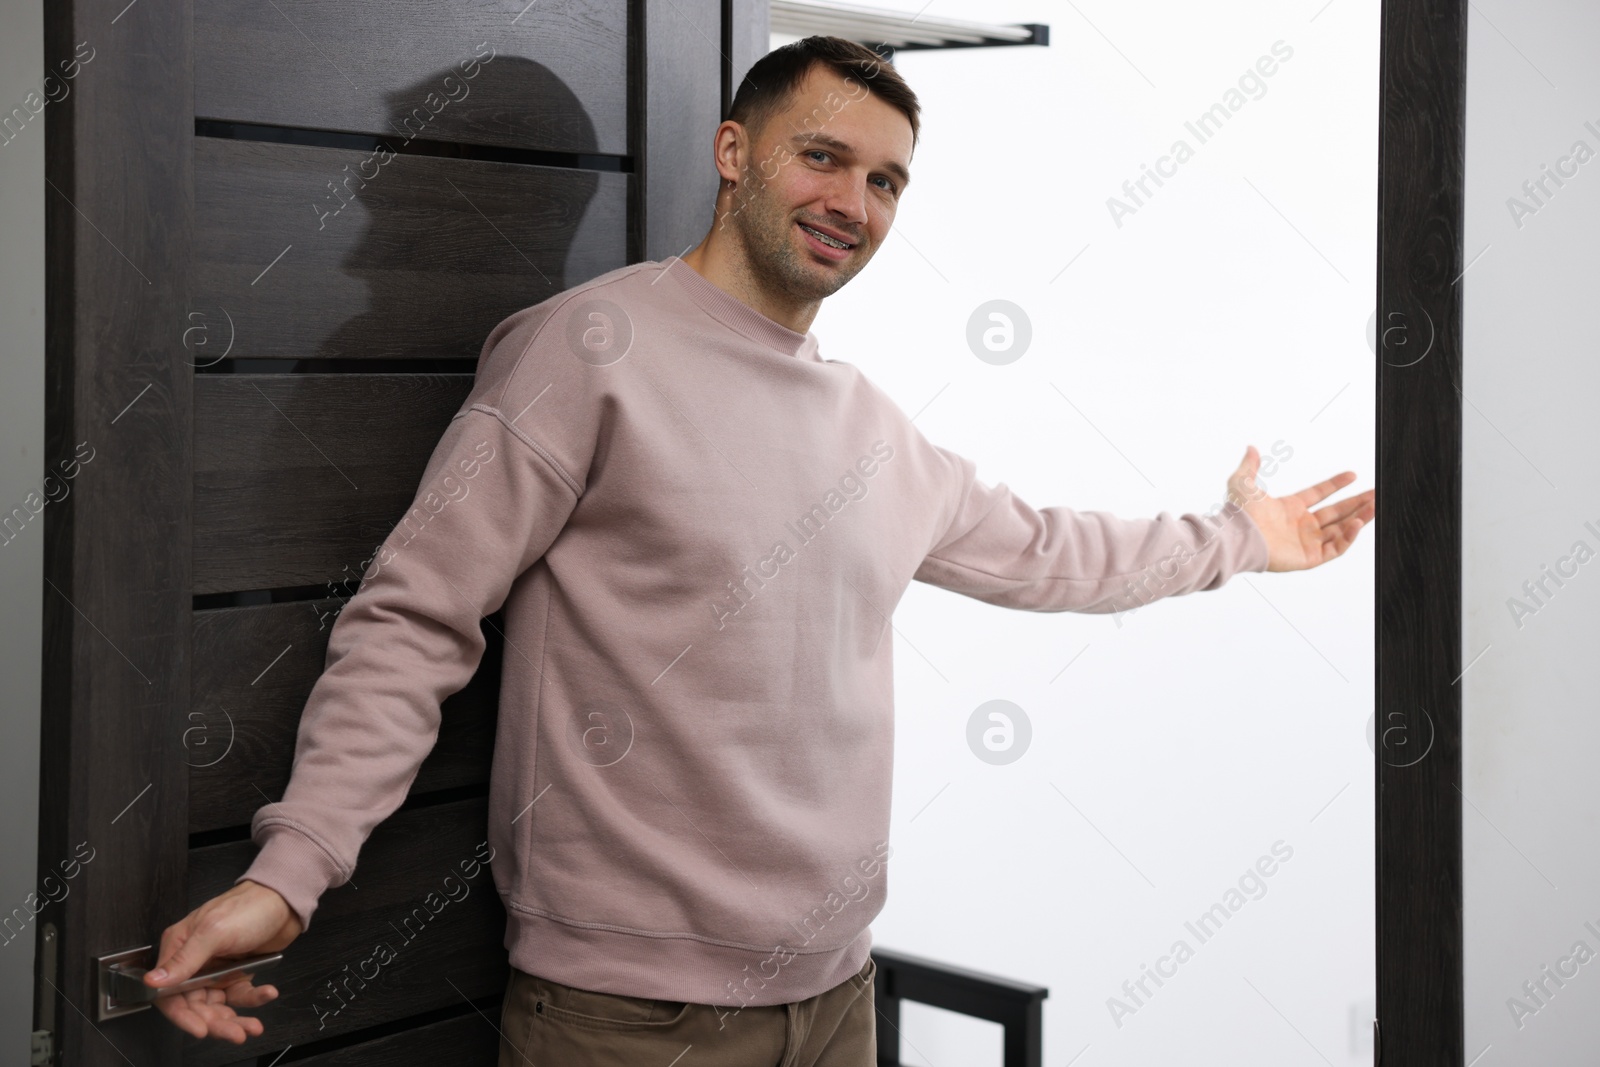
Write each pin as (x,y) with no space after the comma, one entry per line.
(564,1005)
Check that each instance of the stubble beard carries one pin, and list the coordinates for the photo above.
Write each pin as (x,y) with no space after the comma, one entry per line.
(766,233)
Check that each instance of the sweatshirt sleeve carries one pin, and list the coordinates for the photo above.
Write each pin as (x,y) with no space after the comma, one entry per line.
(998,549)
(490,502)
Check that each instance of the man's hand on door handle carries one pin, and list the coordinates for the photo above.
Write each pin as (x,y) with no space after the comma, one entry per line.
(246,920)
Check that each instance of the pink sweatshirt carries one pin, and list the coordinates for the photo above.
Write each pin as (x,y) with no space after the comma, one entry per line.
(699,529)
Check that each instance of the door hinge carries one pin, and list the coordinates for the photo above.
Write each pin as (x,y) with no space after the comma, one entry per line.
(43,1045)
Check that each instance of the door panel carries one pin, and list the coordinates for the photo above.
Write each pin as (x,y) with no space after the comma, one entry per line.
(263,378)
(352,66)
(382,946)
(298,477)
(306,252)
(254,668)
(463,1039)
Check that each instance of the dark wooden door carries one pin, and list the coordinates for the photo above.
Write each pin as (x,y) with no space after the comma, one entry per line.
(279,232)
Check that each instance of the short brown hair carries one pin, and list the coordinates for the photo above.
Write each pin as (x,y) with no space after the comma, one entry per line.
(772,81)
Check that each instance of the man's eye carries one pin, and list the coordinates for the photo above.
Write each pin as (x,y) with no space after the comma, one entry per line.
(888,185)
(816,152)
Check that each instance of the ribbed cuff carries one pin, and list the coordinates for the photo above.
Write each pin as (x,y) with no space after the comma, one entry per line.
(295,866)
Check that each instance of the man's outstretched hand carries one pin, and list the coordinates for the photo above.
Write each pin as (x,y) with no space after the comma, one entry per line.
(1297,537)
(247,920)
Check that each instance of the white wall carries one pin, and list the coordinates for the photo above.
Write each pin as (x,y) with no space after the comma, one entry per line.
(1532,492)
(1174,751)
(21,466)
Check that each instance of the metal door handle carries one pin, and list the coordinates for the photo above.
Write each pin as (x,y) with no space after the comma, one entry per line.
(122,987)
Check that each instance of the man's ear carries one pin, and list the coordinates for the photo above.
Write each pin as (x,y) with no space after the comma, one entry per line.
(730,149)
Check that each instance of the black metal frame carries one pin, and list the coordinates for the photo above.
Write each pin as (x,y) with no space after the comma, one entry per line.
(1040,32)
(1039,35)
(1016,1006)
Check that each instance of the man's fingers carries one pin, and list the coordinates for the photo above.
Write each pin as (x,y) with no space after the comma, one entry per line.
(179,1011)
(190,949)
(208,1012)
(1344,509)
(1243,480)
(244,994)
(1340,538)
(232,925)
(224,1023)
(1246,488)
(235,1028)
(221,1020)
(172,939)
(1324,488)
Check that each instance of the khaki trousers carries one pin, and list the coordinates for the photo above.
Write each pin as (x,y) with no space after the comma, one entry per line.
(547,1024)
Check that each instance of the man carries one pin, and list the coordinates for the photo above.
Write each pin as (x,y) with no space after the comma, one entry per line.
(698,527)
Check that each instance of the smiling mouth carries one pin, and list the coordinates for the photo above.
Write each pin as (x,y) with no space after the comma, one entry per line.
(831,242)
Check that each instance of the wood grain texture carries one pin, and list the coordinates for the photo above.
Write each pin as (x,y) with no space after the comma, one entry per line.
(556,80)
(299,477)
(305,252)
(116,632)
(254,667)
(159,240)
(471,1038)
(412,892)
(747,36)
(681,105)
(1418,543)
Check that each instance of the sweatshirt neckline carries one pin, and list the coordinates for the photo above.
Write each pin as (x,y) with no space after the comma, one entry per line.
(739,316)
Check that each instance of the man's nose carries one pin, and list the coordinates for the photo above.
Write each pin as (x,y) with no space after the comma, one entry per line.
(847,200)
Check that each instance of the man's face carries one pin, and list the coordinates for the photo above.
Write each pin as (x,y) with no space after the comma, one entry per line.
(836,160)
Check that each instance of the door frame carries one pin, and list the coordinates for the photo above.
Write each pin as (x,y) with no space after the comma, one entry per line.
(118,603)
(1418,620)
(117,558)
